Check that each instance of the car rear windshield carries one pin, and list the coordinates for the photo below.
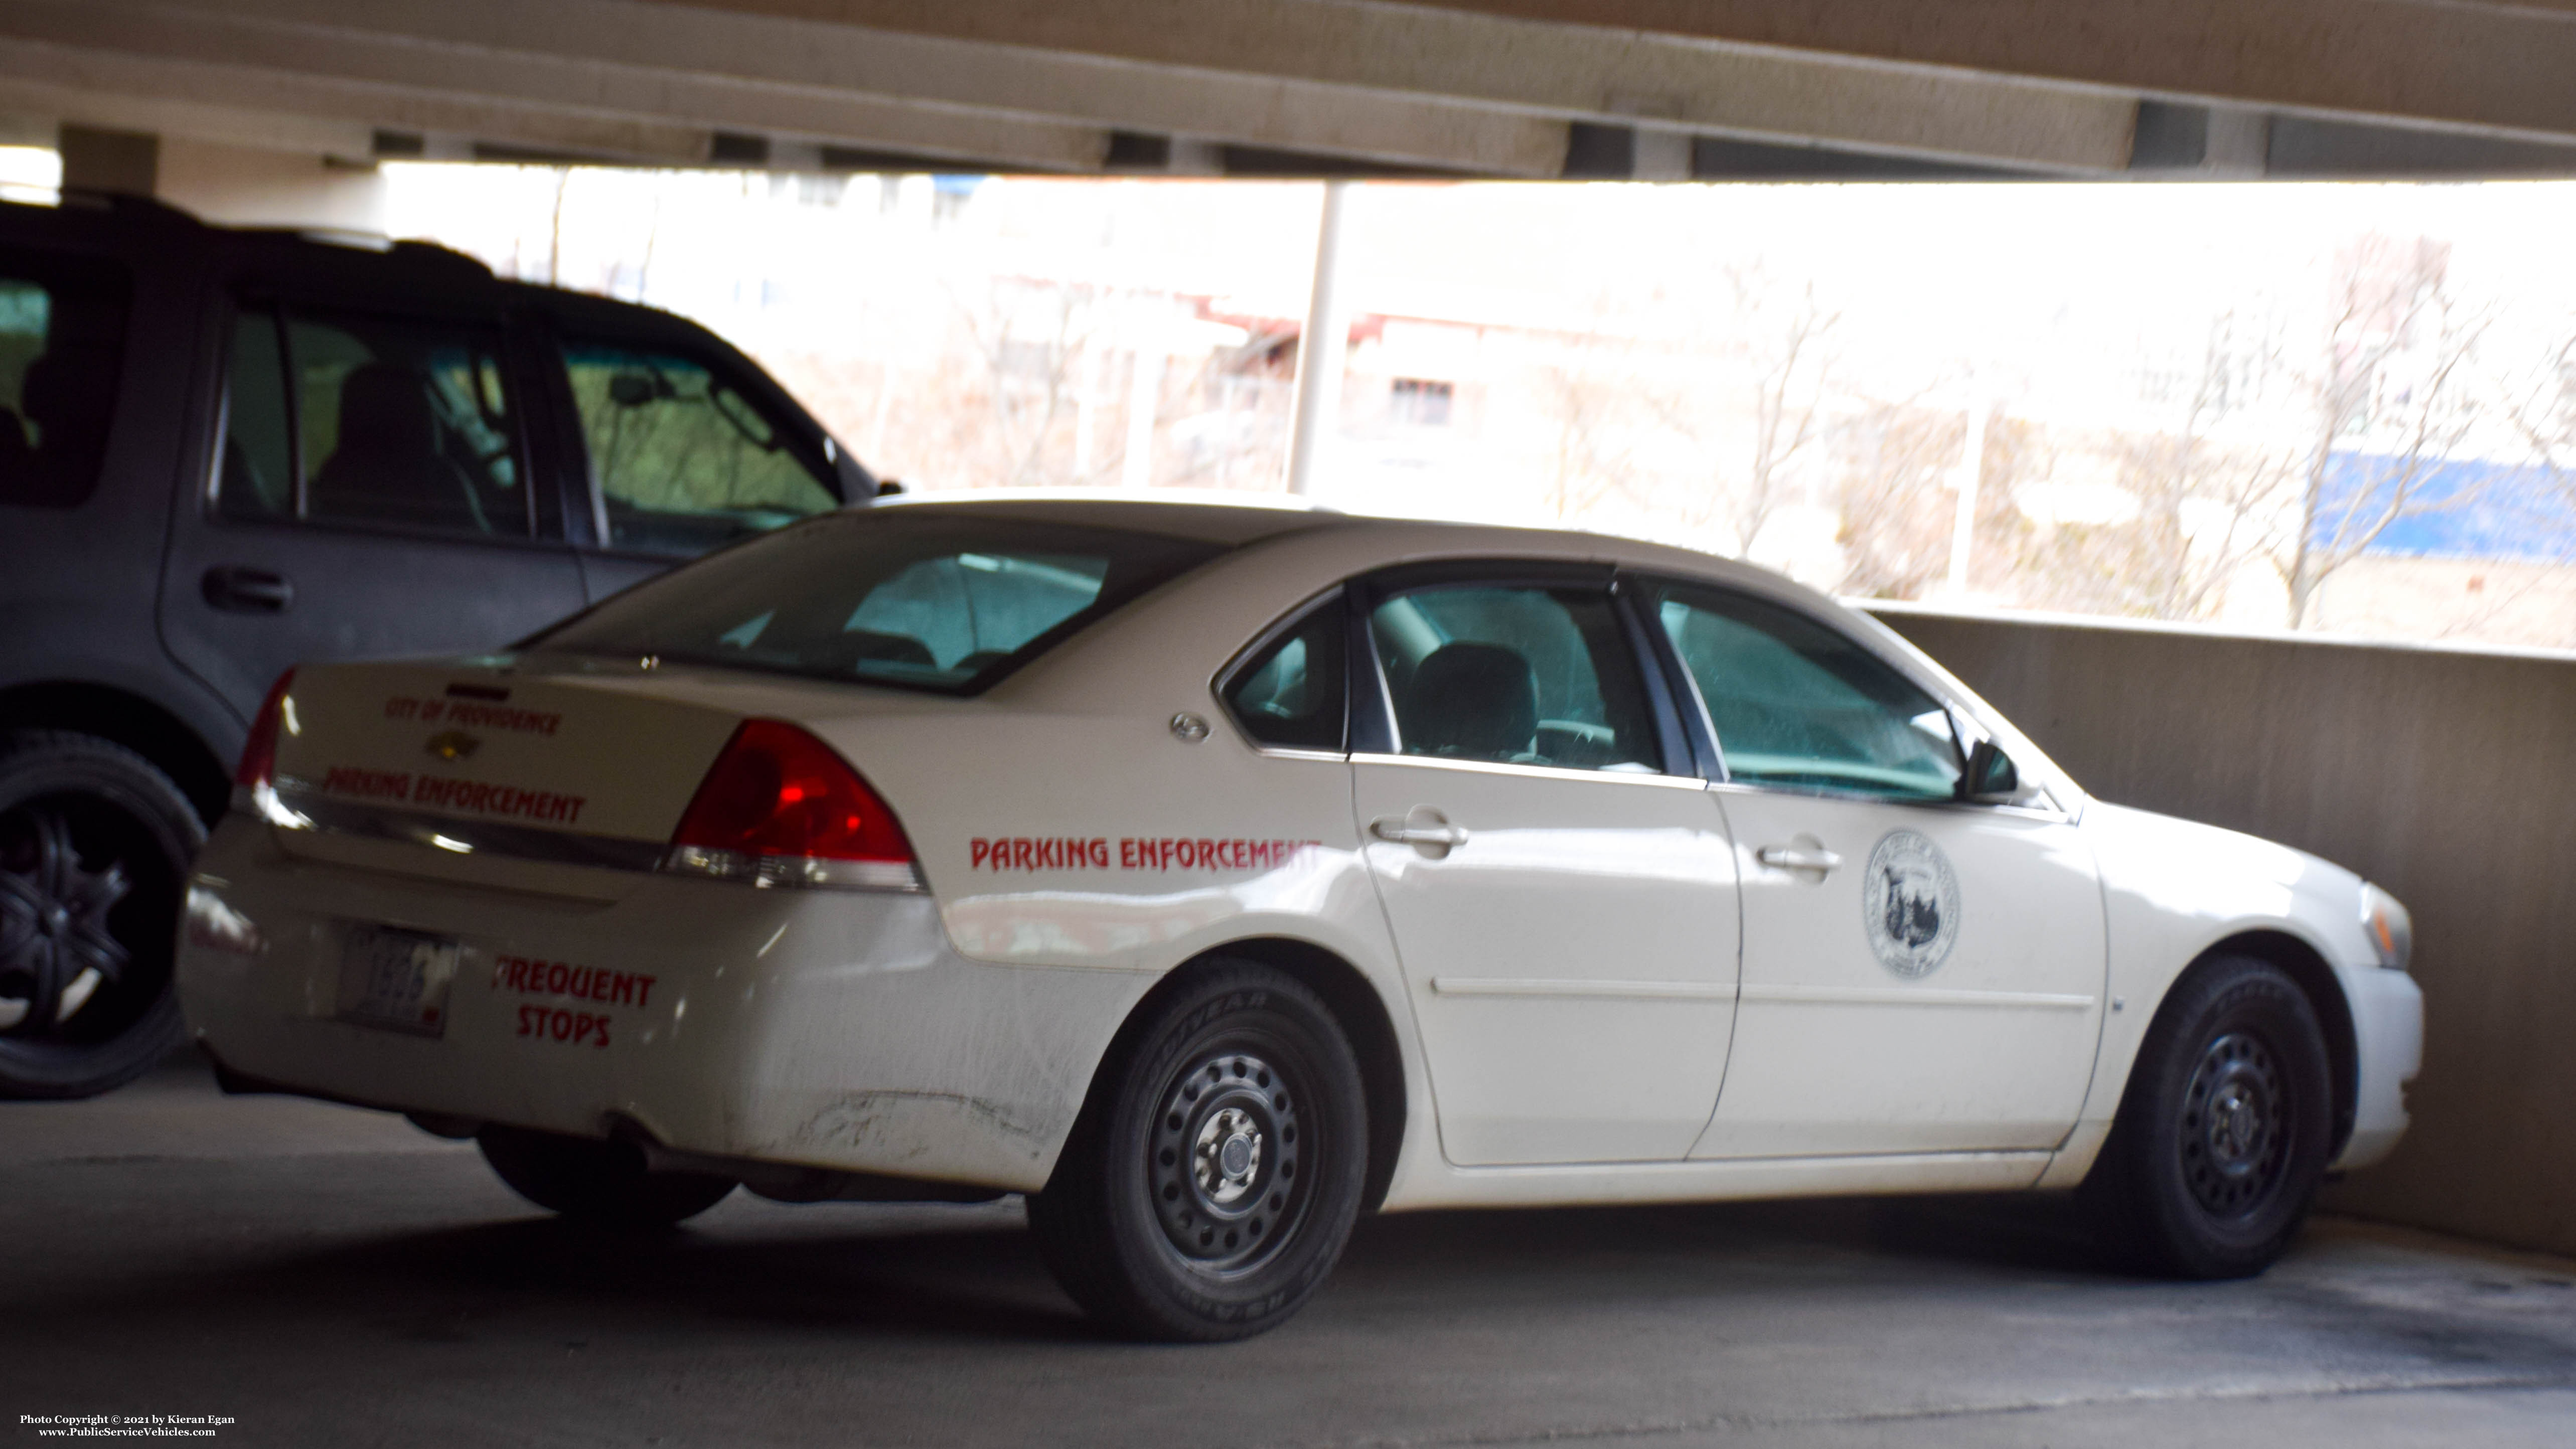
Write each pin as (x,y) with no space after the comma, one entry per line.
(931,601)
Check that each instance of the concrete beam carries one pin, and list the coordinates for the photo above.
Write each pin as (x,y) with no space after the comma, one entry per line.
(832,59)
(75,104)
(1574,69)
(412,75)
(140,93)
(2491,65)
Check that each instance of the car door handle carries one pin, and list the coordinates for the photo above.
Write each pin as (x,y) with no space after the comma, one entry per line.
(247,591)
(1404,832)
(1789,857)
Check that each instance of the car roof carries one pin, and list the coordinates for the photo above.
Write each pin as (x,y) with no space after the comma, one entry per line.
(1231,521)
(1237,520)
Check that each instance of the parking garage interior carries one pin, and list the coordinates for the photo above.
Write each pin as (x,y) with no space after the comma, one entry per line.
(318,1274)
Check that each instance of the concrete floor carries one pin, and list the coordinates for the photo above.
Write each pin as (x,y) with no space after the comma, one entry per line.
(332,1277)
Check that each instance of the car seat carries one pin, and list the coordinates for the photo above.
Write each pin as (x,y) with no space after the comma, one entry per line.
(1474,701)
(386,467)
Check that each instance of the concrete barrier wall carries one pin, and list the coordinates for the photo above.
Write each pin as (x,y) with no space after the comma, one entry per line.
(2447,776)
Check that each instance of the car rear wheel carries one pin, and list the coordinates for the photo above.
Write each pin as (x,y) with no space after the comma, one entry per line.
(1212,1179)
(94,851)
(2221,1139)
(599,1182)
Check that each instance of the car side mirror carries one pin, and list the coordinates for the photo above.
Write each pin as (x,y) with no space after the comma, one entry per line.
(1991,776)
(632,389)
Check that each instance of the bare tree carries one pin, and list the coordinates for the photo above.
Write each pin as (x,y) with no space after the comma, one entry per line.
(1787,339)
(2390,395)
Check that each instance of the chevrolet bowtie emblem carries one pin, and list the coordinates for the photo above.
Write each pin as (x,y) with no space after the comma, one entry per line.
(453,744)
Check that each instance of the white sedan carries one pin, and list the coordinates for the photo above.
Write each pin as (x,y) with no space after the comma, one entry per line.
(1212,874)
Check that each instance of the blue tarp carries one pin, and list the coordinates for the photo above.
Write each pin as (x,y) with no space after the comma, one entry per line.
(2464,509)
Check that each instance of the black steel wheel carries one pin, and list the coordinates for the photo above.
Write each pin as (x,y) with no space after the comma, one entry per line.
(94,851)
(1210,1184)
(599,1182)
(2221,1139)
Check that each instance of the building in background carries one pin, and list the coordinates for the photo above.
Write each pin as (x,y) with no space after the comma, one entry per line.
(2249,405)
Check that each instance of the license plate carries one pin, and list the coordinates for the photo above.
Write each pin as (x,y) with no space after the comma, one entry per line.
(397,980)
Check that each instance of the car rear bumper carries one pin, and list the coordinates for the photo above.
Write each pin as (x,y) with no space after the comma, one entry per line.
(822,1028)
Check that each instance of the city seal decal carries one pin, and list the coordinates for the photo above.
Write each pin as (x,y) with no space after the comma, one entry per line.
(1909,904)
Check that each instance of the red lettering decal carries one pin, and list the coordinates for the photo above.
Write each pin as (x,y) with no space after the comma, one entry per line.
(526,1013)
(978,851)
(432,708)
(644,989)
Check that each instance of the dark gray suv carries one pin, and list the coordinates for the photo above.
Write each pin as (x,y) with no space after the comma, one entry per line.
(225,451)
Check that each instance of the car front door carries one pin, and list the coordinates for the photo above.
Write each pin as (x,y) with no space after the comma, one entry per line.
(369,496)
(1921,974)
(1561,891)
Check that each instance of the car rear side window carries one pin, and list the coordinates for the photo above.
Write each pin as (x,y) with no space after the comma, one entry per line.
(396,422)
(1289,694)
(923,600)
(62,336)
(1514,674)
(683,458)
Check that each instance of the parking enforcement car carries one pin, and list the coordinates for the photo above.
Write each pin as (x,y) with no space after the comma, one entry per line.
(1211,874)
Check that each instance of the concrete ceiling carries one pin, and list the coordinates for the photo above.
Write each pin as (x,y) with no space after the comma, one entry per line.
(1659,89)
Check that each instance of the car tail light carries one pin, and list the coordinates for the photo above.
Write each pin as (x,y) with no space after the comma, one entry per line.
(259,753)
(779,808)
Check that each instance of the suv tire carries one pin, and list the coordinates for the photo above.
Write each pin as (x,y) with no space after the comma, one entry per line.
(95,845)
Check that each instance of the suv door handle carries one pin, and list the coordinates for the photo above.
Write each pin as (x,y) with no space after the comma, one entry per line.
(1788,857)
(246,591)
(1405,832)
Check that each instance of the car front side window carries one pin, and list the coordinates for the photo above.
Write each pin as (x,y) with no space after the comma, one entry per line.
(684,460)
(1796,704)
(1514,674)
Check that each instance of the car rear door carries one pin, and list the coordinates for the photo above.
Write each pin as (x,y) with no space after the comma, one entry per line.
(1560,888)
(1921,973)
(369,495)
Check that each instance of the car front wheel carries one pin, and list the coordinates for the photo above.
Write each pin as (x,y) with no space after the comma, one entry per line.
(2221,1139)
(1212,1180)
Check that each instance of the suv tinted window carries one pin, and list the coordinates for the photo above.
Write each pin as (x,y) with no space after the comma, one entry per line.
(62,334)
(925,600)
(370,420)
(683,458)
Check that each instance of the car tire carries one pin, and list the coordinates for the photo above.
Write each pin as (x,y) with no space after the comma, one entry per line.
(2221,1138)
(95,845)
(1212,1179)
(597,1182)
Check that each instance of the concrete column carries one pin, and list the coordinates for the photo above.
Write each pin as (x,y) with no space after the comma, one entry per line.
(1972,469)
(1147,394)
(1321,353)
(124,162)
(240,186)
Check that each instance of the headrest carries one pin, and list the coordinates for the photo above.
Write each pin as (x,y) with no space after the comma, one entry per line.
(385,409)
(53,398)
(1476,700)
